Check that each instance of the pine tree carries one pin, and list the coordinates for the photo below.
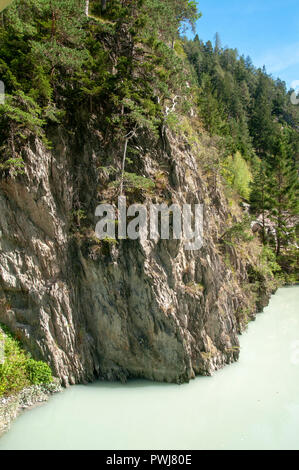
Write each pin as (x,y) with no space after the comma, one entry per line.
(261,124)
(168,18)
(284,194)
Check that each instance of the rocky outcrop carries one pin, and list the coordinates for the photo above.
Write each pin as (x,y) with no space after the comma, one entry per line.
(131,309)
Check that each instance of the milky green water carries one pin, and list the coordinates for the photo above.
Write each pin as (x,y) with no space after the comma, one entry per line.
(253,404)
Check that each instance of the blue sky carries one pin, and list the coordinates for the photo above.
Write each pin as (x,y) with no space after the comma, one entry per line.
(266,30)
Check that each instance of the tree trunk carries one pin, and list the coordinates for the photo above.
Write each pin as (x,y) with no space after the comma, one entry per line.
(86,7)
(123,166)
(127,137)
(104,5)
(278,247)
(53,25)
(263,231)
(264,222)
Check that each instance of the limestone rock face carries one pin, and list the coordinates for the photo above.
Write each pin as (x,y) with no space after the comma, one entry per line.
(146,309)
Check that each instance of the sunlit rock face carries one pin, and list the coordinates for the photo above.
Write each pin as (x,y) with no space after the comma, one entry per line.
(92,309)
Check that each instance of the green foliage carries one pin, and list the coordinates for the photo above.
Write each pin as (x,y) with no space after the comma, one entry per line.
(79,214)
(289,264)
(238,232)
(262,125)
(237,174)
(20,117)
(139,182)
(19,370)
(53,61)
(36,38)
(165,18)
(149,72)
(132,66)
(170,17)
(23,114)
(283,194)
(38,372)
(259,195)
(110,241)
(239,102)
(266,274)
(259,125)
(133,182)
(268,262)
(14,165)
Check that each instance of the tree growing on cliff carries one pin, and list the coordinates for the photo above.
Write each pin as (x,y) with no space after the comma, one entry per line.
(169,18)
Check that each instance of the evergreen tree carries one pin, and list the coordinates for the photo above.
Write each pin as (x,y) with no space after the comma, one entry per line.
(262,126)
(284,194)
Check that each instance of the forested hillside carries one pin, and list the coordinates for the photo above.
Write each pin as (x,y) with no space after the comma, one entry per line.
(127,61)
(259,124)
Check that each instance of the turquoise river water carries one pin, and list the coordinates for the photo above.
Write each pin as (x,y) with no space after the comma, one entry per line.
(253,404)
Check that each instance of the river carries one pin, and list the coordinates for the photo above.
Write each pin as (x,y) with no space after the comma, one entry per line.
(252,404)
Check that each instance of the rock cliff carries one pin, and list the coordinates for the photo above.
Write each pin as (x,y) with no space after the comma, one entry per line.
(127,309)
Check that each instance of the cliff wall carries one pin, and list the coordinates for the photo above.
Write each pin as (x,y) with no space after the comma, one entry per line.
(94,308)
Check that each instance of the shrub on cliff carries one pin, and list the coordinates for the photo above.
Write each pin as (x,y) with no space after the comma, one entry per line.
(38,372)
(18,370)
